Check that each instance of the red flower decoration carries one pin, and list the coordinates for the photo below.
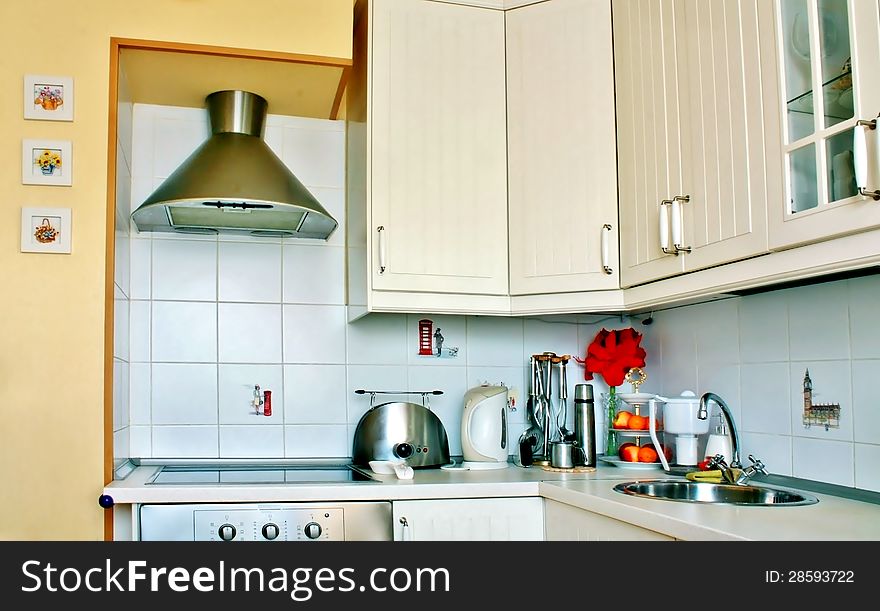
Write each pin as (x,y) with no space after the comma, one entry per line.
(612,354)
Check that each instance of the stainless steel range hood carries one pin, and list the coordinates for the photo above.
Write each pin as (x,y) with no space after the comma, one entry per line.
(234,182)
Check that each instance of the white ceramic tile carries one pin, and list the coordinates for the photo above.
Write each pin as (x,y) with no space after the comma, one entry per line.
(315,394)
(185,442)
(373,377)
(185,270)
(678,371)
(818,322)
(448,406)
(515,378)
(249,272)
(765,395)
(139,393)
(717,331)
(252,441)
(141,441)
(333,200)
(823,460)
(184,394)
(141,266)
(314,334)
(139,331)
(141,188)
(559,337)
(494,341)
(273,136)
(175,140)
(314,274)
(121,446)
(454,332)
(724,381)
(249,333)
(831,384)
(763,328)
(315,156)
(378,339)
(773,450)
(142,140)
(236,391)
(184,332)
(122,258)
(120,394)
(867,476)
(120,329)
(316,441)
(514,430)
(864,295)
(865,406)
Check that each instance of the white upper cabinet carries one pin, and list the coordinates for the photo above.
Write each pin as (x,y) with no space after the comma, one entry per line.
(648,62)
(829,58)
(438,176)
(698,139)
(562,171)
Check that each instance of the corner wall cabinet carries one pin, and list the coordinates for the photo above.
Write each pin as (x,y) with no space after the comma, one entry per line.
(829,59)
(698,137)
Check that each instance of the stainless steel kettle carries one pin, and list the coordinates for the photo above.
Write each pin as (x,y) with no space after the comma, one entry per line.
(401,431)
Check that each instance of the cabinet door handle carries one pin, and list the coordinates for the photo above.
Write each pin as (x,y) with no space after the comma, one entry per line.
(405,534)
(664,227)
(606,234)
(860,157)
(381,231)
(678,223)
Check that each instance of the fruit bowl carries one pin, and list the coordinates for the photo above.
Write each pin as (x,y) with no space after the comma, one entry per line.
(623,464)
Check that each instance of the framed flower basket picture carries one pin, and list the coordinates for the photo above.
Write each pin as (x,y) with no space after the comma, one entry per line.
(48,98)
(46,230)
(46,162)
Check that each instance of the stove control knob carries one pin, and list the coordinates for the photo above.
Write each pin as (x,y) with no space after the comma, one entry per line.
(226,532)
(270,531)
(312,530)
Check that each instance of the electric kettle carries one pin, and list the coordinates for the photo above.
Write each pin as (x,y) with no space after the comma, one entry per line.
(484,428)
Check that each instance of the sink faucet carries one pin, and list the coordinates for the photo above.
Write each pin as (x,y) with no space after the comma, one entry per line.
(703,413)
(737,476)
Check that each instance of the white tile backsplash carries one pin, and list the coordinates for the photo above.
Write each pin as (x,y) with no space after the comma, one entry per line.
(766,398)
(316,154)
(454,332)
(315,394)
(185,442)
(314,334)
(184,270)
(865,404)
(252,441)
(373,377)
(314,274)
(140,393)
(818,322)
(867,457)
(249,272)
(763,329)
(236,393)
(823,460)
(377,339)
(184,393)
(248,333)
(139,331)
(141,441)
(831,384)
(773,450)
(864,297)
(310,440)
(494,341)
(184,332)
(141,268)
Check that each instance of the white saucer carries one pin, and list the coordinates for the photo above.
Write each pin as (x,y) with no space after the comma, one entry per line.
(638,466)
(475,466)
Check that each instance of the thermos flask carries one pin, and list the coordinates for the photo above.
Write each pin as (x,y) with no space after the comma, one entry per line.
(584,424)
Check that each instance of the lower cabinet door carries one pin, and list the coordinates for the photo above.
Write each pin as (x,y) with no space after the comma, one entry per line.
(567,523)
(497,519)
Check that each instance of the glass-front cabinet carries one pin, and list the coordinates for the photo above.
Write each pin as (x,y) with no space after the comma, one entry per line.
(829,52)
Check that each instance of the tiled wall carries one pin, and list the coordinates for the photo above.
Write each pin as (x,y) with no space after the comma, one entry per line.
(212,317)
(754,351)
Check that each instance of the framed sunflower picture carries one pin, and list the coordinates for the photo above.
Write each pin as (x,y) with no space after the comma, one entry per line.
(46,230)
(48,98)
(46,162)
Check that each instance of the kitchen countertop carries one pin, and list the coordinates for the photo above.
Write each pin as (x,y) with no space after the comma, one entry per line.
(832,518)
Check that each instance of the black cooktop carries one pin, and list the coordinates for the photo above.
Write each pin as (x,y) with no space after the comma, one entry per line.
(170,475)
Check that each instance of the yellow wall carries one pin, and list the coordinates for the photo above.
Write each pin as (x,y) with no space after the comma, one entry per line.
(52,306)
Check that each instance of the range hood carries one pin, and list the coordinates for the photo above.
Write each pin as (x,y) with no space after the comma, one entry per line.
(234,183)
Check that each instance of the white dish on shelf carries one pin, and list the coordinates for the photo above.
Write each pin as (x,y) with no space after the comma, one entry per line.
(623,464)
(634,432)
(636,398)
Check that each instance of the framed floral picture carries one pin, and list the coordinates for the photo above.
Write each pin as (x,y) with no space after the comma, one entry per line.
(46,162)
(46,230)
(48,98)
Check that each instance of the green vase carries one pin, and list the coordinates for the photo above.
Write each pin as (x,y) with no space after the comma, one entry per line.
(611,441)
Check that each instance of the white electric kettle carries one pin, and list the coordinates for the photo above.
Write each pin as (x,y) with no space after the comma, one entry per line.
(484,428)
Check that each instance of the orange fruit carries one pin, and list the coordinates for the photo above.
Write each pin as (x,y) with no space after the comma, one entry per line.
(648,454)
(630,453)
(637,423)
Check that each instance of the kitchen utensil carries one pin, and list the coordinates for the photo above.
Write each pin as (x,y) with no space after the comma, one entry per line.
(564,433)
(400,431)
(484,428)
(719,443)
(584,423)
(563,454)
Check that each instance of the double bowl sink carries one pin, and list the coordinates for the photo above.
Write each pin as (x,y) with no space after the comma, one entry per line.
(722,494)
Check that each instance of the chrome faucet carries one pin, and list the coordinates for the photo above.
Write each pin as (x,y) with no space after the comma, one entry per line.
(739,477)
(703,413)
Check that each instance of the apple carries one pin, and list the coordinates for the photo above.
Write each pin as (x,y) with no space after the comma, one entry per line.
(629,452)
(647,454)
(621,420)
(637,423)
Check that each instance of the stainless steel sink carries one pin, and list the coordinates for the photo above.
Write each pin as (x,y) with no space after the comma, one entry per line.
(726,494)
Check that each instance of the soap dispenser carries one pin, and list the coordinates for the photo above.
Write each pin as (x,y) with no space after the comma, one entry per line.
(719,443)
